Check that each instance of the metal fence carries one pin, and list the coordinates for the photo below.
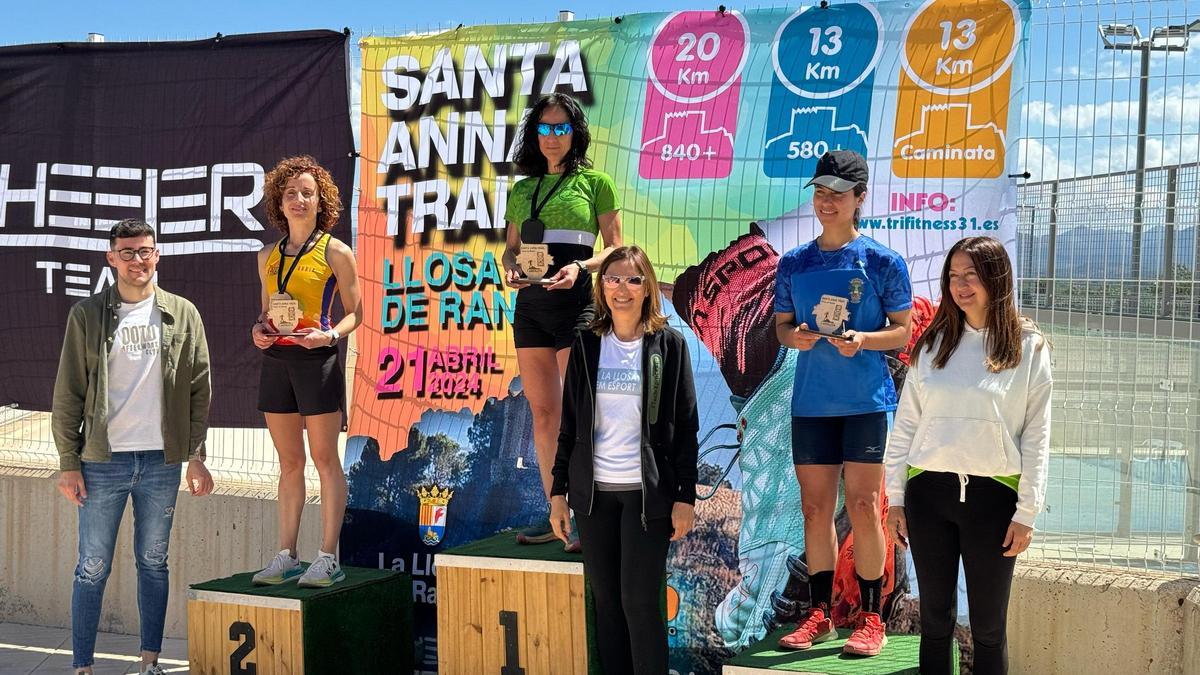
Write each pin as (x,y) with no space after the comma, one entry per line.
(1108,261)
(1107,265)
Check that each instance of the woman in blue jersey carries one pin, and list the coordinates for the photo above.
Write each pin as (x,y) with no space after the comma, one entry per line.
(842,300)
(559,210)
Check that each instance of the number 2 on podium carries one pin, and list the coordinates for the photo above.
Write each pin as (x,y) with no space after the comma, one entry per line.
(241,629)
(512,645)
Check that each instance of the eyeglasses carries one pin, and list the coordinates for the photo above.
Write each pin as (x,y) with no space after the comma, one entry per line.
(561,129)
(145,253)
(614,280)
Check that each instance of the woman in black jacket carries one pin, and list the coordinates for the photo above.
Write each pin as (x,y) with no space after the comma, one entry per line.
(626,459)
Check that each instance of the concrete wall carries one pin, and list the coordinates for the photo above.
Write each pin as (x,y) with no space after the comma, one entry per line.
(213,536)
(1063,619)
(1191,632)
(1066,618)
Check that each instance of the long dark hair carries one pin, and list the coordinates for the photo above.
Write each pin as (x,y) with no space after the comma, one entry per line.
(1004,324)
(528,157)
(653,319)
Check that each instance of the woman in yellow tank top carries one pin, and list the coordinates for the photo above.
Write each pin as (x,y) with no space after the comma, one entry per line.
(302,384)
(309,280)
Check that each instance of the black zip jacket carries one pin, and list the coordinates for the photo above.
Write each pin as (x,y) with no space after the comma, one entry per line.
(670,424)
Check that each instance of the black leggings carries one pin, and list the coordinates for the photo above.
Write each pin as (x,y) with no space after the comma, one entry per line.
(940,529)
(625,566)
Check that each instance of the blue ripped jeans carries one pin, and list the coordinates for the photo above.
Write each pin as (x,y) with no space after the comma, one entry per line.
(153,486)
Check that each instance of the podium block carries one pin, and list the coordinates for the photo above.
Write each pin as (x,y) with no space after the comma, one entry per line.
(360,625)
(765,657)
(504,606)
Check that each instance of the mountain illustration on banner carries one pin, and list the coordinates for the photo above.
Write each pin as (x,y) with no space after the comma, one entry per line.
(949,142)
(811,132)
(686,137)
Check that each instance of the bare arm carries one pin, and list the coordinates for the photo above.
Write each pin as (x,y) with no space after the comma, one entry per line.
(263,255)
(786,331)
(259,332)
(610,230)
(345,268)
(512,248)
(892,336)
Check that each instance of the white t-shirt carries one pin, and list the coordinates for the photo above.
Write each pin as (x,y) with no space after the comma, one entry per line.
(135,386)
(617,443)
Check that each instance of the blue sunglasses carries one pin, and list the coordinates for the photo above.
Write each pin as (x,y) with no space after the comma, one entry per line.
(561,129)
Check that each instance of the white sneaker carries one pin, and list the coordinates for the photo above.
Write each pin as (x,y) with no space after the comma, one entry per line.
(324,571)
(283,567)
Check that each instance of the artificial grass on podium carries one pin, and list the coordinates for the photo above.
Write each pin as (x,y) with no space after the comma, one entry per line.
(504,545)
(899,657)
(243,584)
(360,625)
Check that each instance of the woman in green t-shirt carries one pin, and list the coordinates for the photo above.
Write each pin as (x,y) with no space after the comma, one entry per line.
(557,212)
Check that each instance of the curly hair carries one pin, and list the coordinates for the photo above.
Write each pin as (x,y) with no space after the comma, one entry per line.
(528,157)
(287,169)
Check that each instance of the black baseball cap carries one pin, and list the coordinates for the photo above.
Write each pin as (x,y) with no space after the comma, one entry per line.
(840,171)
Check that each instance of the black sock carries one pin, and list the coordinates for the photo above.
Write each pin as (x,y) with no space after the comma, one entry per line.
(872,594)
(820,589)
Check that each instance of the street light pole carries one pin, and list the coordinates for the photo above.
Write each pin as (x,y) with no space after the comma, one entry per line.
(1139,178)
(1173,38)
(1124,37)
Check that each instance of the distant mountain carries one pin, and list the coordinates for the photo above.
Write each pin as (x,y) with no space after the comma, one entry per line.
(1089,252)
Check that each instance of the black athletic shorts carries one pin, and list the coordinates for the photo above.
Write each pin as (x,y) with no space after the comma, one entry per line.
(835,440)
(550,325)
(299,380)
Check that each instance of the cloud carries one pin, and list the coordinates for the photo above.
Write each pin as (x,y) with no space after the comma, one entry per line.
(1087,138)
(1041,161)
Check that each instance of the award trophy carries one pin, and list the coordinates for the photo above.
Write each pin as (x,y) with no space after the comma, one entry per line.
(283,311)
(534,259)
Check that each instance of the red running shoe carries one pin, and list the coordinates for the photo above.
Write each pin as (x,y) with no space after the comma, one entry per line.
(868,638)
(815,627)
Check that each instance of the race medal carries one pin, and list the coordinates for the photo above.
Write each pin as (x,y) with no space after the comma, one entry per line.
(284,312)
(282,309)
(831,313)
(533,231)
(534,260)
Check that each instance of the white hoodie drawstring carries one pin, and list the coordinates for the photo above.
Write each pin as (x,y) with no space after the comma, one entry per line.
(962,487)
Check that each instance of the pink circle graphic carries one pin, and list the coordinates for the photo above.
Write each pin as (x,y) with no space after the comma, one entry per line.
(696,55)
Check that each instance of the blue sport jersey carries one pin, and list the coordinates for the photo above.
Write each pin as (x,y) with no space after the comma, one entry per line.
(852,288)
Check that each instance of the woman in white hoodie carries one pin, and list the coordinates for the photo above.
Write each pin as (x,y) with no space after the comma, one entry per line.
(966,461)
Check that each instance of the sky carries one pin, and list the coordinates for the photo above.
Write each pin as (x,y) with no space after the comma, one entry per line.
(63,20)
(1078,110)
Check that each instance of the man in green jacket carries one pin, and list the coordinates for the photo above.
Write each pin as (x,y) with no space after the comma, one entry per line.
(130,406)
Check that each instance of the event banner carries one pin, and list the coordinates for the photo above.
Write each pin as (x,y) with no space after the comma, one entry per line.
(181,135)
(710,123)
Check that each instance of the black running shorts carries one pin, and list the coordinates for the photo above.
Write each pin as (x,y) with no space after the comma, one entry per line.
(298,380)
(550,325)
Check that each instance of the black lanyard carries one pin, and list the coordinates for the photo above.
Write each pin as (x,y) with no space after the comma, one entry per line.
(534,208)
(281,281)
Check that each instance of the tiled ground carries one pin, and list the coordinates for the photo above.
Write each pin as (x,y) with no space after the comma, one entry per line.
(38,649)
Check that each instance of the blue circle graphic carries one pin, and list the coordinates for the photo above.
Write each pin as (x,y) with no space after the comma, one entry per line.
(822,53)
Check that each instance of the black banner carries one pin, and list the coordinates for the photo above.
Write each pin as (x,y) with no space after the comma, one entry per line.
(180,134)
